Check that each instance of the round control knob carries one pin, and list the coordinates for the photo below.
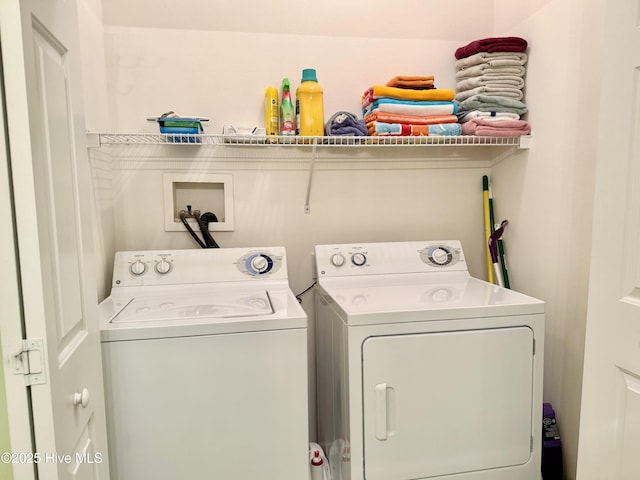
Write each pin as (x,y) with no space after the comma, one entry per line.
(163,267)
(259,263)
(440,256)
(337,259)
(137,268)
(358,259)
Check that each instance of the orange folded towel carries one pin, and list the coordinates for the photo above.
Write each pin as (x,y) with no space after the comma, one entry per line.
(412,81)
(434,94)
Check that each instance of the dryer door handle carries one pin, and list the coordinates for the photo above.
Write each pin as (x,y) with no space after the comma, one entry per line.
(381,411)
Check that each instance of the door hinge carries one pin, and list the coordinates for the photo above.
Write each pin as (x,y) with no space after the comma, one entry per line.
(30,362)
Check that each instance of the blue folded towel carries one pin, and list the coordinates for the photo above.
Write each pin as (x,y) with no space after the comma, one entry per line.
(410,107)
(345,123)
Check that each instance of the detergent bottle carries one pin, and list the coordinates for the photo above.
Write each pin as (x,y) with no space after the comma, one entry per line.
(271,114)
(309,105)
(287,112)
(316,466)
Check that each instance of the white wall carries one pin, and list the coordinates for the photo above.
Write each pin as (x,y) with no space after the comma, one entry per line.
(92,53)
(197,58)
(551,193)
(224,74)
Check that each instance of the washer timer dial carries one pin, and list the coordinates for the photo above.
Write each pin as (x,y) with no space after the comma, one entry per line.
(259,263)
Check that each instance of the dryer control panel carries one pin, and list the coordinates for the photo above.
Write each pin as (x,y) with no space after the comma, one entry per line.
(389,258)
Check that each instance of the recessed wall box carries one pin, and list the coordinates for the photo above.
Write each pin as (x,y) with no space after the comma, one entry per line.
(204,192)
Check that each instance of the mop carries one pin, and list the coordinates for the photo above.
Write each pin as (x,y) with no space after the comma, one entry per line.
(487,225)
(494,226)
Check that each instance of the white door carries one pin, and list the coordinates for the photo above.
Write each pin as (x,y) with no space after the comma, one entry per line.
(49,292)
(610,417)
(447,403)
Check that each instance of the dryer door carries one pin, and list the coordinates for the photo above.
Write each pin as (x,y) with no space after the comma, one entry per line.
(447,402)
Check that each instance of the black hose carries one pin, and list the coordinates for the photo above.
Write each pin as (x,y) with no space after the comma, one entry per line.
(204,228)
(299,296)
(183,218)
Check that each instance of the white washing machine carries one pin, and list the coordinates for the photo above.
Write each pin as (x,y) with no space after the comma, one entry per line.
(205,359)
(422,370)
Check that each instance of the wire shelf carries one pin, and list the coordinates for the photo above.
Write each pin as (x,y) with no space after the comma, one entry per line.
(300,141)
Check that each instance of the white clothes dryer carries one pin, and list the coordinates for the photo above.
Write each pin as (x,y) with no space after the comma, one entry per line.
(422,370)
(205,360)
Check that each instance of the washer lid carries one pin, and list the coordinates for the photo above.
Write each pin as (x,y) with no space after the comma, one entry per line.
(189,310)
(419,297)
(187,306)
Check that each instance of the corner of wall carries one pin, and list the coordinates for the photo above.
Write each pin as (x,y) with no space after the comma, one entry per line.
(6,472)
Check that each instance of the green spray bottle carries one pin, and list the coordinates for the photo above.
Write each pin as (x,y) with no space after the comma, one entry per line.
(287,112)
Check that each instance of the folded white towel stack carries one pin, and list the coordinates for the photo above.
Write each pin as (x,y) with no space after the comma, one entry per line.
(495,79)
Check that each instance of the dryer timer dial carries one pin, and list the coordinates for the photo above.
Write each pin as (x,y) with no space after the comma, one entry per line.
(440,255)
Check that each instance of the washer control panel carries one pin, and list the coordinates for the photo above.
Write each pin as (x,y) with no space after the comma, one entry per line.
(389,258)
(169,267)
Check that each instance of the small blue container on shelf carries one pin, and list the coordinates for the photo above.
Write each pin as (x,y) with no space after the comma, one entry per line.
(180,129)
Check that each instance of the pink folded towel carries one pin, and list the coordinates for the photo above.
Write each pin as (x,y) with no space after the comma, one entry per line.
(496,128)
(492,44)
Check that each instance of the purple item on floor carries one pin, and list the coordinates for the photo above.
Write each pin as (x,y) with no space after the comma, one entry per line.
(551,445)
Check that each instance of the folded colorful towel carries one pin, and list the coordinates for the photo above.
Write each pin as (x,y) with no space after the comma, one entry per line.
(512,81)
(345,124)
(408,107)
(486,69)
(496,128)
(496,59)
(412,81)
(399,129)
(489,116)
(491,92)
(445,129)
(378,116)
(492,44)
(492,104)
(435,94)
